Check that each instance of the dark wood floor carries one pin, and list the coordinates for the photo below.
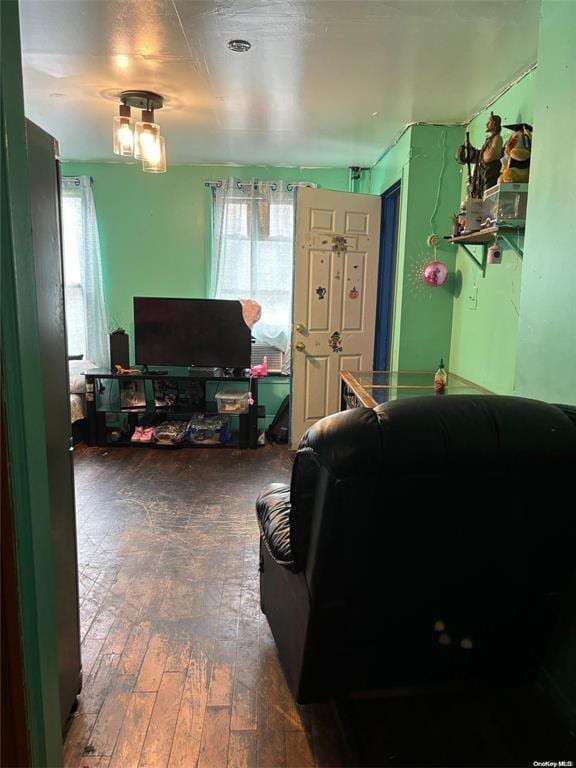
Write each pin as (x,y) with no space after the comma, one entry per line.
(180,668)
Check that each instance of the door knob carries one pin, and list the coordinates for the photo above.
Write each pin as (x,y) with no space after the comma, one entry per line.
(300,328)
(300,346)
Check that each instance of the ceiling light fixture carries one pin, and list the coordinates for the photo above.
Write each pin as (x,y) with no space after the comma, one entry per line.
(239,46)
(141,139)
(155,162)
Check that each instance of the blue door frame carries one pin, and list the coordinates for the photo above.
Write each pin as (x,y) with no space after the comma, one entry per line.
(384,305)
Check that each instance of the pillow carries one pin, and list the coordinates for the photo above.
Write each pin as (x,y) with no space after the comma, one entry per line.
(77,381)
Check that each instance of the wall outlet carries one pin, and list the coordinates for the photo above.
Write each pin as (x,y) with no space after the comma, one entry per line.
(472,302)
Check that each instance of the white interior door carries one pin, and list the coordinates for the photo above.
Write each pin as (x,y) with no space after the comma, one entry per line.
(336,248)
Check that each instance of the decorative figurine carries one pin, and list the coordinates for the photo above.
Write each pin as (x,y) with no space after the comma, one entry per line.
(486,159)
(260,370)
(517,151)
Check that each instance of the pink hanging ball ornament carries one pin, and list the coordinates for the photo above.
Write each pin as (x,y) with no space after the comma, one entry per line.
(435,273)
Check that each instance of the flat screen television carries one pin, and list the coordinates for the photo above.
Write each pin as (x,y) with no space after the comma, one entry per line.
(198,332)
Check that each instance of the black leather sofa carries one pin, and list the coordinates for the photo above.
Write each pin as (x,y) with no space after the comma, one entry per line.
(426,541)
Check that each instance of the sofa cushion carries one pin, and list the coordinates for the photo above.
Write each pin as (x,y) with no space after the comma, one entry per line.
(273,513)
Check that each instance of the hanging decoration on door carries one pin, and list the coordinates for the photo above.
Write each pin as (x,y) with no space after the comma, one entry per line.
(354,293)
(335,342)
(339,244)
(321,292)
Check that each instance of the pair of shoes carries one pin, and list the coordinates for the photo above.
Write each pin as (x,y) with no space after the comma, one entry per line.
(142,434)
(147,434)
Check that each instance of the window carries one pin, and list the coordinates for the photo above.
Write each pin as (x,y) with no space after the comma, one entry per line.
(86,324)
(253,250)
(73,291)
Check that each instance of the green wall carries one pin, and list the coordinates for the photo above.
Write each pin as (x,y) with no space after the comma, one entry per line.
(546,365)
(546,359)
(485,320)
(155,228)
(422,319)
(155,234)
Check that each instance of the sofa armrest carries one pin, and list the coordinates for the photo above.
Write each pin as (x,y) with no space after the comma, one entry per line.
(273,513)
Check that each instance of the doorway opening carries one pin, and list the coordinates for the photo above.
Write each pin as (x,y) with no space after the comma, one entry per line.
(386,275)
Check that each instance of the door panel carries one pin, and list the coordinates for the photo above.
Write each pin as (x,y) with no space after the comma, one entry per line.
(321,220)
(335,284)
(357,223)
(317,370)
(350,362)
(318,308)
(354,292)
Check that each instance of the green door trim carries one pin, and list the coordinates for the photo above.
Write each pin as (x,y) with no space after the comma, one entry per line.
(25,431)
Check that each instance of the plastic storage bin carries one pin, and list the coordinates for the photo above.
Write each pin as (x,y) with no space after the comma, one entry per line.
(505,203)
(232,402)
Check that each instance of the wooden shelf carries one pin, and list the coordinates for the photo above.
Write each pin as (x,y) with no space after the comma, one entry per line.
(485,237)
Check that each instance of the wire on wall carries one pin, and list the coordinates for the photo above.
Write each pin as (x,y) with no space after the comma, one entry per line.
(443,140)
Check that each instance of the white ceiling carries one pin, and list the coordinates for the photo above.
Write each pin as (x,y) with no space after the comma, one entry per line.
(305,94)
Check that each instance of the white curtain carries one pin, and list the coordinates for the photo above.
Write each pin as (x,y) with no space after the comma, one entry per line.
(86,323)
(252,253)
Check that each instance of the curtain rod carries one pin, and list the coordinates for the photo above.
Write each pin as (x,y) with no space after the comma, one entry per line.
(245,186)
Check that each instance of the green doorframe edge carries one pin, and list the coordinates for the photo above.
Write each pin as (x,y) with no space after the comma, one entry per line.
(25,415)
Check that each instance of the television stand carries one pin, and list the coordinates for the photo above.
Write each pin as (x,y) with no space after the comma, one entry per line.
(99,433)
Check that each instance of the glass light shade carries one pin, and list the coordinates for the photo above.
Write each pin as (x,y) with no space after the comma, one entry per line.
(156,162)
(123,136)
(146,140)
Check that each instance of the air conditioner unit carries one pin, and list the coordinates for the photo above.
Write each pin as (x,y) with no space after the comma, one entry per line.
(274,357)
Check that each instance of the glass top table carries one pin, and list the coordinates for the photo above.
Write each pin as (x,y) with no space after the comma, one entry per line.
(371,388)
